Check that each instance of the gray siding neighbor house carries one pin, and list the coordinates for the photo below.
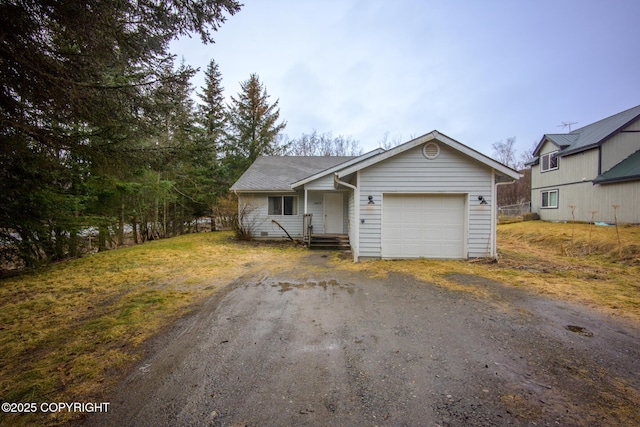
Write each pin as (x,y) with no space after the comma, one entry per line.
(591,169)
(431,197)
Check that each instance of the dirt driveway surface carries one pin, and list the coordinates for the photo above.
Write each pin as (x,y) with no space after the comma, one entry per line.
(319,346)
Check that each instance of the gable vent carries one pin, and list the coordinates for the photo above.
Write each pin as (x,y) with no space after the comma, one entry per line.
(431,150)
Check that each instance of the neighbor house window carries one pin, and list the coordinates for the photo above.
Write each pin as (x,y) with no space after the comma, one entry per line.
(283,205)
(550,199)
(549,161)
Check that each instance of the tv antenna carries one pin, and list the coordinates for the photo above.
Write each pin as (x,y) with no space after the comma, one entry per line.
(567,125)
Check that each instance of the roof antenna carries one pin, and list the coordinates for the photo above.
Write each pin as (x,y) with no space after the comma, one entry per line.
(567,125)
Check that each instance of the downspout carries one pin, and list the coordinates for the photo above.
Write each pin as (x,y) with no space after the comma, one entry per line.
(356,214)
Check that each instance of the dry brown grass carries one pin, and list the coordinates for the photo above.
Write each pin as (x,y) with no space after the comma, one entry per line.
(69,330)
(540,257)
(579,262)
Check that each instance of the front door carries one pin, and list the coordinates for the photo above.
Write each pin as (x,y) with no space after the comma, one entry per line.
(333,214)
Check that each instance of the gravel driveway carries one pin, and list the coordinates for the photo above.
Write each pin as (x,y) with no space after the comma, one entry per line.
(319,346)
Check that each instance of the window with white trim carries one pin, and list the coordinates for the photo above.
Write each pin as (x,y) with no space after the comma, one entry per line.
(549,161)
(549,199)
(283,205)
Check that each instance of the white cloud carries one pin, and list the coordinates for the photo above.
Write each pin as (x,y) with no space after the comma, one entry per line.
(476,71)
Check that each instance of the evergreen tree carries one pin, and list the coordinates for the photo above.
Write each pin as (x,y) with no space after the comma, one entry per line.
(252,128)
(212,120)
(211,112)
(75,79)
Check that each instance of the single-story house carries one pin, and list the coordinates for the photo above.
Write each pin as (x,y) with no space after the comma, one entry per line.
(431,197)
(589,171)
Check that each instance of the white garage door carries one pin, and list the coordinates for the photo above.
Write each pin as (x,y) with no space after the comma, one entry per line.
(420,225)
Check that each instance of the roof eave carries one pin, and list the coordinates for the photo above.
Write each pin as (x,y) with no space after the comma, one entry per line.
(434,135)
(270,190)
(563,153)
(616,180)
(545,138)
(337,167)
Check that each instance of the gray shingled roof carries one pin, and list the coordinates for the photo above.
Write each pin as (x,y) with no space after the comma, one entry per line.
(626,170)
(592,135)
(277,173)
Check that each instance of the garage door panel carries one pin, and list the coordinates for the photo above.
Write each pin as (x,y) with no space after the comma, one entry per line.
(430,226)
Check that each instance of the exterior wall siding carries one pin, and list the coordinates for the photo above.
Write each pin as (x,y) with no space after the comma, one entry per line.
(570,168)
(587,197)
(261,224)
(573,178)
(352,222)
(621,146)
(323,183)
(411,172)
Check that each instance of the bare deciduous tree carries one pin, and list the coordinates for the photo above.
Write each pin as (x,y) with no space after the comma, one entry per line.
(387,143)
(504,151)
(519,192)
(315,144)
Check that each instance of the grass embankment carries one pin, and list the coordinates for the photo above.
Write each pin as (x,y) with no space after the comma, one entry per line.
(69,330)
(576,262)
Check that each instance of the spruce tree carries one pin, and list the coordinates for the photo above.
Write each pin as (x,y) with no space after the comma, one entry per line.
(252,127)
(211,112)
(75,80)
(212,119)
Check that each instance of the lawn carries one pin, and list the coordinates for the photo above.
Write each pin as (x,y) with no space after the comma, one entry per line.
(71,330)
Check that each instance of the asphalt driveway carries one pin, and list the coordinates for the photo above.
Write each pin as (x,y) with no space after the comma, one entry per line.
(318,346)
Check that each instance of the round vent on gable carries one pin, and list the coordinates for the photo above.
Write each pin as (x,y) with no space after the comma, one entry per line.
(431,150)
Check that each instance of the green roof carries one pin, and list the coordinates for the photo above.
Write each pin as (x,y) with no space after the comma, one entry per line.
(626,170)
(590,136)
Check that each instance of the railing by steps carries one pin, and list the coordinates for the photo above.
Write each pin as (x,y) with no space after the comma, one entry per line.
(307,229)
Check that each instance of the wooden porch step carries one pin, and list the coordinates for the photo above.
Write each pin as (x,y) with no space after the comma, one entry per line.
(338,242)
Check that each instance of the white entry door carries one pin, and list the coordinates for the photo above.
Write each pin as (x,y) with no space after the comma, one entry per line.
(333,213)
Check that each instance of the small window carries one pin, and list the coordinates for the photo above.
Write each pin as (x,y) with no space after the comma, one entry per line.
(283,205)
(549,161)
(549,199)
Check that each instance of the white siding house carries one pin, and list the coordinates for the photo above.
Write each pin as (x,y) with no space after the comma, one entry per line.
(590,170)
(431,197)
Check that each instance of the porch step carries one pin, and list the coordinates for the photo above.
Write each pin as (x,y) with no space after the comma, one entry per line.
(335,242)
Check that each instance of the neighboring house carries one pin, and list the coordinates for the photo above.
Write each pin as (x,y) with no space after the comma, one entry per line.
(592,169)
(431,197)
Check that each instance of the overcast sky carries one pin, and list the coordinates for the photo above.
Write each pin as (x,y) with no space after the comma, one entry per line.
(478,71)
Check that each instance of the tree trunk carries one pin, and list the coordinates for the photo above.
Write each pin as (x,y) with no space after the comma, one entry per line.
(58,244)
(134,229)
(73,243)
(103,232)
(121,225)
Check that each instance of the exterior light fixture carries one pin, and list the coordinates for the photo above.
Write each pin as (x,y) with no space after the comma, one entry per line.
(371,202)
(482,200)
